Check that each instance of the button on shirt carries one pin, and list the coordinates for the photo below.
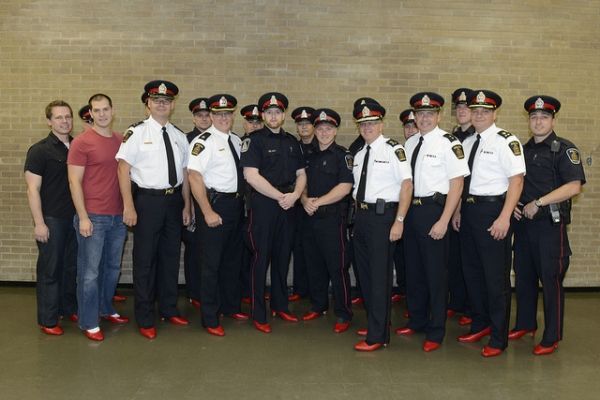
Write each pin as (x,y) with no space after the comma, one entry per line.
(437,162)
(497,159)
(328,168)
(214,161)
(385,171)
(143,148)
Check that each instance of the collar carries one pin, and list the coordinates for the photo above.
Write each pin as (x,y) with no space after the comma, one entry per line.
(157,125)
(489,131)
(55,140)
(433,134)
(376,143)
(546,142)
(215,131)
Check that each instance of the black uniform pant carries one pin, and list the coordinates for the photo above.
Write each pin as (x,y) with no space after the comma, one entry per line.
(400,268)
(191,261)
(457,291)
(301,280)
(220,259)
(374,257)
(352,262)
(324,236)
(486,267)
(245,284)
(541,254)
(156,253)
(271,236)
(56,272)
(426,272)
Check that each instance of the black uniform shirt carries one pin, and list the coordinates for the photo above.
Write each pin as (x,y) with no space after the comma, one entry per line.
(192,135)
(48,159)
(277,156)
(358,144)
(541,177)
(462,135)
(328,168)
(309,148)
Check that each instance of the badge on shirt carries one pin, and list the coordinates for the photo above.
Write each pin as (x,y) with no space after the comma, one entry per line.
(245,145)
(197,149)
(349,161)
(458,151)
(515,148)
(127,135)
(400,154)
(573,155)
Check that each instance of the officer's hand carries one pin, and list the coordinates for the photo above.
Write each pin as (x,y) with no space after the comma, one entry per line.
(287,200)
(311,206)
(186,216)
(129,216)
(213,219)
(396,231)
(42,233)
(530,210)
(438,230)
(456,221)
(517,213)
(86,228)
(499,228)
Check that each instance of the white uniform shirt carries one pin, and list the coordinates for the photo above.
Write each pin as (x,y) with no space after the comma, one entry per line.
(497,159)
(385,171)
(437,162)
(210,155)
(143,148)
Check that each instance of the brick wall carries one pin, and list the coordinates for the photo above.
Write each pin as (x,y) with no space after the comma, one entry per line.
(320,53)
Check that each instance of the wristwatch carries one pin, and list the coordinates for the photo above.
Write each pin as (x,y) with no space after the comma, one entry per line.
(400,218)
(538,202)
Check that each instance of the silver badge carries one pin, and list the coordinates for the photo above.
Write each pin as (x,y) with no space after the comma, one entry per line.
(365,111)
(411,115)
(202,104)
(539,104)
(425,101)
(304,114)
(480,97)
(273,101)
(162,89)
(462,96)
(323,116)
(255,111)
(222,102)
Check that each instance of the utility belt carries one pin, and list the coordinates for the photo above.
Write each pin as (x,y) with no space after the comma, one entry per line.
(338,208)
(135,189)
(380,206)
(472,199)
(213,195)
(557,212)
(437,198)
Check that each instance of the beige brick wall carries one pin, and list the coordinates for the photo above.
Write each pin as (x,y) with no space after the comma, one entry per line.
(318,52)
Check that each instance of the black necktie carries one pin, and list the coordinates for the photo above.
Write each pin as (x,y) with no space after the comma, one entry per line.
(237,165)
(362,184)
(470,164)
(170,158)
(413,161)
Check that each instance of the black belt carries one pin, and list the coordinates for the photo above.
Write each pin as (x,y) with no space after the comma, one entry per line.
(371,206)
(471,199)
(437,198)
(234,195)
(329,209)
(158,192)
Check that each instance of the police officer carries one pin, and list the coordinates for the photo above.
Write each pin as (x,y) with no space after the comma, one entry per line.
(85,114)
(554,175)
(439,166)
(217,183)
(191,263)
(304,128)
(382,192)
(274,167)
(457,291)
(252,121)
(329,181)
(153,181)
(497,166)
(409,125)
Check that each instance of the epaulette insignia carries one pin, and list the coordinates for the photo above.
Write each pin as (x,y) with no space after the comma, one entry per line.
(400,154)
(515,147)
(197,149)
(450,137)
(204,136)
(137,123)
(127,135)
(458,151)
(504,134)
(392,142)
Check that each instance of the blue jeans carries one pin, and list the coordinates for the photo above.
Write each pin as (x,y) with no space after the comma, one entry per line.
(98,267)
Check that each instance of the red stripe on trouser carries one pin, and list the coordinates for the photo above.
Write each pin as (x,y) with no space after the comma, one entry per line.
(254,261)
(342,266)
(558,288)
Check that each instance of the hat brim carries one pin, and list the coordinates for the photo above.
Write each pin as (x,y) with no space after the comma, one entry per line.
(369,118)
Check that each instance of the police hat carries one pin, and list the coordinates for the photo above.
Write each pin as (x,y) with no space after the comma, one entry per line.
(85,114)
(144,97)
(326,115)
(547,104)
(361,101)
(303,114)
(161,89)
(459,96)
(251,113)
(222,102)
(368,112)
(407,116)
(199,104)
(273,99)
(426,101)
(484,98)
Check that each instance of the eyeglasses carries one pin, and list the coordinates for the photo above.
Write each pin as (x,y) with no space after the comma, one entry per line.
(165,101)
(222,114)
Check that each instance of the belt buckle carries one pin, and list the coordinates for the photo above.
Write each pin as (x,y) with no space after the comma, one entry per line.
(364,206)
(417,202)
(471,200)
(169,191)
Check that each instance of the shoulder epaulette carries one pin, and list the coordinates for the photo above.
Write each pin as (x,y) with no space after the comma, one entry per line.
(137,123)
(450,137)
(392,142)
(205,135)
(504,134)
(129,131)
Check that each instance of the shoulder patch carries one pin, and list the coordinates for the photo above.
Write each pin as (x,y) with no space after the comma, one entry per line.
(245,145)
(349,161)
(392,142)
(573,155)
(450,137)
(400,154)
(504,134)
(515,147)
(197,149)
(127,134)
(204,136)
(458,151)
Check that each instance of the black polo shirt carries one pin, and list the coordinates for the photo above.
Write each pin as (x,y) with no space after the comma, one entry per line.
(462,135)
(192,135)
(547,170)
(358,144)
(277,156)
(309,148)
(328,168)
(48,159)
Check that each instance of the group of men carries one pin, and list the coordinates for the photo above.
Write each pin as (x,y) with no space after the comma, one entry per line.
(442,207)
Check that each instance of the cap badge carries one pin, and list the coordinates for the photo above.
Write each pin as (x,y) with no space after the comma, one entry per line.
(363,102)
(480,97)
(323,116)
(411,115)
(425,101)
(539,104)
(222,102)
(273,101)
(202,104)
(462,96)
(162,89)
(255,111)
(365,111)
(304,114)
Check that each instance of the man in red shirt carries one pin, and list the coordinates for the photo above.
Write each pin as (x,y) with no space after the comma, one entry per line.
(99,220)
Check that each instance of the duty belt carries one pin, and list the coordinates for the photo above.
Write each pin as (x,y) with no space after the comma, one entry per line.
(437,198)
(371,206)
(471,199)
(158,192)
